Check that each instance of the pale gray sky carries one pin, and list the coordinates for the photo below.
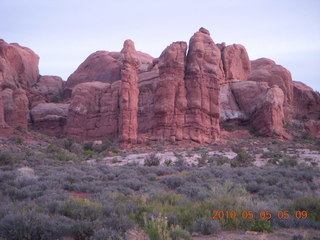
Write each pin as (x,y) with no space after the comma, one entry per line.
(64,32)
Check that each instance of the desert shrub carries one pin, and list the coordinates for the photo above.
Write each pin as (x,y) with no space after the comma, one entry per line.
(80,209)
(193,192)
(261,226)
(7,158)
(134,183)
(288,161)
(106,234)
(17,140)
(166,199)
(206,226)
(21,129)
(178,233)
(172,182)
(202,160)
(82,230)
(168,162)
(156,227)
(272,154)
(218,160)
(152,160)
(89,153)
(309,204)
(33,226)
(243,159)
(180,162)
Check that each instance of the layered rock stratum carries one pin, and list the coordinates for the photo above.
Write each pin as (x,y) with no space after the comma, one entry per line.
(184,94)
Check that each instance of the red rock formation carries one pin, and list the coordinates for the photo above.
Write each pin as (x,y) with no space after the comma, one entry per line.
(100,66)
(94,111)
(266,70)
(103,66)
(50,118)
(4,128)
(18,66)
(170,94)
(236,63)
(306,102)
(129,94)
(18,72)
(16,109)
(262,105)
(204,73)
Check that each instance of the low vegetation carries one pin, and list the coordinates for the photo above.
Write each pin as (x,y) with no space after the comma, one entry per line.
(50,192)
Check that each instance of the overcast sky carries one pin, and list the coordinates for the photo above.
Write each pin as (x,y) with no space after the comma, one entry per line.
(64,32)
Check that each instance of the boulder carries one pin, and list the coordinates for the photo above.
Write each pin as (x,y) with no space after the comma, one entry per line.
(236,63)
(129,94)
(203,75)
(266,70)
(50,118)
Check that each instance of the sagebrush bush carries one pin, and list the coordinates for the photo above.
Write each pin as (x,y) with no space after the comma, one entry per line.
(7,158)
(152,160)
(243,159)
(206,226)
(82,209)
(172,182)
(178,233)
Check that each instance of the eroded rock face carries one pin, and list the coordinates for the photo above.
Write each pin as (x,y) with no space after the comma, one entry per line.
(4,128)
(94,111)
(236,63)
(103,66)
(306,102)
(266,70)
(100,66)
(18,72)
(204,73)
(229,108)
(129,94)
(50,87)
(170,94)
(16,107)
(262,105)
(50,118)
(268,119)
(18,66)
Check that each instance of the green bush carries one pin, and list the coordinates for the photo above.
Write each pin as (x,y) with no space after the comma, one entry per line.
(243,159)
(80,209)
(288,161)
(309,204)
(17,140)
(206,226)
(7,158)
(261,226)
(156,227)
(152,160)
(178,233)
